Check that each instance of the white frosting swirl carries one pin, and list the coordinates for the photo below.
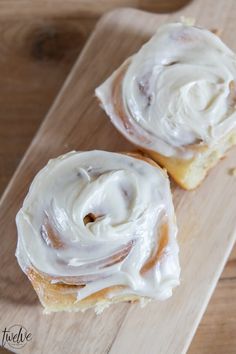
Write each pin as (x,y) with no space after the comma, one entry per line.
(95,219)
(178,90)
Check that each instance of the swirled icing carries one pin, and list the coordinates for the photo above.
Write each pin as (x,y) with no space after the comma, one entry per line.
(95,219)
(177,91)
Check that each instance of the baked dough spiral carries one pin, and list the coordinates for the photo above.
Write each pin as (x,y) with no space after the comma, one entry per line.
(177,94)
(99,220)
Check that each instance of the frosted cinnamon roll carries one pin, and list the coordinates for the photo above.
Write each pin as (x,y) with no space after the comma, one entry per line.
(98,228)
(176,99)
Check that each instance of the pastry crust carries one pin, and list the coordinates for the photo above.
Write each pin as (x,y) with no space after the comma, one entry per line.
(189,174)
(63,297)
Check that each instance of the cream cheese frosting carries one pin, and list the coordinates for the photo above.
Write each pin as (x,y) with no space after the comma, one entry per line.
(177,91)
(95,219)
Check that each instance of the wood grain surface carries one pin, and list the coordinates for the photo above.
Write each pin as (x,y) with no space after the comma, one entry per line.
(36,56)
(86,8)
(39,42)
(216,333)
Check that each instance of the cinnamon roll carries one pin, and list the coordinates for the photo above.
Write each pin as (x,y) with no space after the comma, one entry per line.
(176,100)
(97,228)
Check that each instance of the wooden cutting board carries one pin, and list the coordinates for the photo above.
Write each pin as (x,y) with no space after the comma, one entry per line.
(206,217)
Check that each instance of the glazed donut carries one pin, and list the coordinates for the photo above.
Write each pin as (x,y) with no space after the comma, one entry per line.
(96,228)
(176,100)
